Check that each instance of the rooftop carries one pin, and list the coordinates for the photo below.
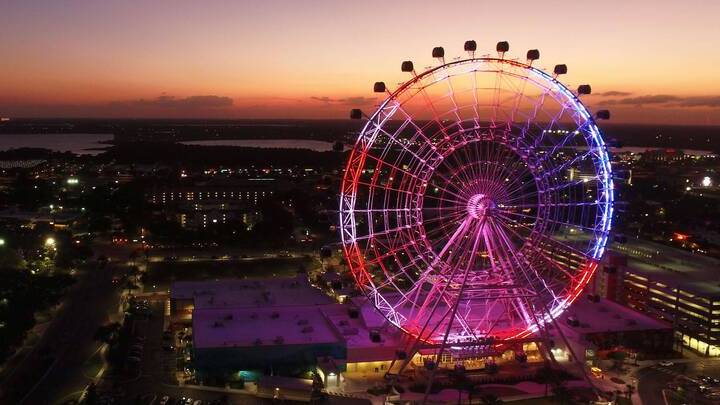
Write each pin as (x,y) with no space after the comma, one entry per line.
(243,327)
(608,316)
(356,332)
(693,272)
(241,293)
(290,311)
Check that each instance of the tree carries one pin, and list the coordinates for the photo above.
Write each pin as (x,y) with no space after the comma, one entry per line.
(618,357)
(630,390)
(30,193)
(132,257)
(550,377)
(562,394)
(10,259)
(461,382)
(68,253)
(276,225)
(91,396)
(107,333)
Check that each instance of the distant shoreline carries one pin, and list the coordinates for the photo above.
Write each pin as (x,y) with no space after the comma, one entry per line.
(100,135)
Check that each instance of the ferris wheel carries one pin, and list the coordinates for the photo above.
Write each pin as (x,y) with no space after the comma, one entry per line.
(477,200)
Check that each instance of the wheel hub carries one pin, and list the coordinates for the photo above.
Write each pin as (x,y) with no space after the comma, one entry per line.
(480,206)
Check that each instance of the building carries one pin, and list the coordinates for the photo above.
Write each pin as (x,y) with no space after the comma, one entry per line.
(669,284)
(608,283)
(288,327)
(186,296)
(263,338)
(281,325)
(595,325)
(203,204)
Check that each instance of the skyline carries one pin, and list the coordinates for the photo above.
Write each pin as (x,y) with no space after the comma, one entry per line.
(284,60)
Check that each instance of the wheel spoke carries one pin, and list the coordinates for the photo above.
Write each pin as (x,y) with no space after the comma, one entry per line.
(476,194)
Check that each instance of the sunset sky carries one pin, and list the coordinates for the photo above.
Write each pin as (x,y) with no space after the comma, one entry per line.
(655,60)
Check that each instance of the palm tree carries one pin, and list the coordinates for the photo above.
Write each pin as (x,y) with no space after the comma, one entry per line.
(630,390)
(562,394)
(461,382)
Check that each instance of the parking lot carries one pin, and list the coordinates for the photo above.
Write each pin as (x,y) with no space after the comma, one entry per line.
(696,382)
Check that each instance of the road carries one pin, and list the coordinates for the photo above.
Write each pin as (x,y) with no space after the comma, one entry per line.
(44,378)
(652,380)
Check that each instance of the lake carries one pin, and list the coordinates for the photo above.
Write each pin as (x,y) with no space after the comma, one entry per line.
(81,144)
(317,146)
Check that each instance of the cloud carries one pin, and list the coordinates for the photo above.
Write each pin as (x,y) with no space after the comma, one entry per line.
(345,101)
(668,100)
(642,100)
(613,93)
(164,101)
(701,101)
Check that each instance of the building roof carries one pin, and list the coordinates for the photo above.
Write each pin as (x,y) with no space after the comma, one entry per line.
(356,333)
(249,327)
(241,293)
(283,311)
(607,316)
(692,272)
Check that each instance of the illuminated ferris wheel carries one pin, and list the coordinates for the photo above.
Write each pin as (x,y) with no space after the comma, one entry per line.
(477,200)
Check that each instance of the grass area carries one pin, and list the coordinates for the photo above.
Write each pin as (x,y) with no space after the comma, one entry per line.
(163,273)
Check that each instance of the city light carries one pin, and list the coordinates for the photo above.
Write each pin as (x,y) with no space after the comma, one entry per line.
(462,223)
(680,236)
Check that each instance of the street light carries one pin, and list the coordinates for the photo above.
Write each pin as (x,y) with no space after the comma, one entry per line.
(50,242)
(2,242)
(706,181)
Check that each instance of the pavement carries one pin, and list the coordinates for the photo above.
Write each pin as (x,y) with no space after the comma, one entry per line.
(653,378)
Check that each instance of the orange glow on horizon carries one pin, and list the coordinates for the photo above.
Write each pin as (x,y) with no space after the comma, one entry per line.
(316,60)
